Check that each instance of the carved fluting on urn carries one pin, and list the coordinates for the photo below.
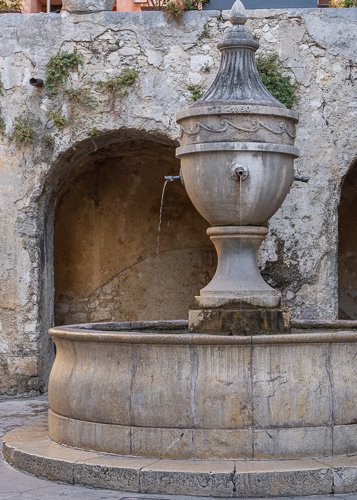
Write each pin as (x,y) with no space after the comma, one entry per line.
(237,162)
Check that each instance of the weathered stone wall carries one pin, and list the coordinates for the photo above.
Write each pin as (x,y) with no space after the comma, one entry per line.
(317,49)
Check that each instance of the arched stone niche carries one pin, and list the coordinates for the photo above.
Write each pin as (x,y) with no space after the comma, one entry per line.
(106,262)
(347,248)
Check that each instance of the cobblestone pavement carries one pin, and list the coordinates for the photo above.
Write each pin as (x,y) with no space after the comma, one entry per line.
(15,412)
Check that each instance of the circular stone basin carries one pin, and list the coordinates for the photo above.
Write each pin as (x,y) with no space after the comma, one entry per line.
(151,389)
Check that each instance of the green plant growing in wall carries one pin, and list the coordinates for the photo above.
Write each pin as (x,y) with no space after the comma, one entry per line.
(196,92)
(23,131)
(58,69)
(194,4)
(206,68)
(175,8)
(81,98)
(126,79)
(343,3)
(94,133)
(2,125)
(278,85)
(58,119)
(11,5)
(48,141)
(2,121)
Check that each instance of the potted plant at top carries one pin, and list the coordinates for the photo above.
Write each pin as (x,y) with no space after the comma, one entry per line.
(10,6)
(82,6)
(174,7)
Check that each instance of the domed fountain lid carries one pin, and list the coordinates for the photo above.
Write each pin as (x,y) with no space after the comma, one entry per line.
(238,80)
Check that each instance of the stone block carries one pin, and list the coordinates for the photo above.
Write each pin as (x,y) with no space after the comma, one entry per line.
(215,444)
(110,472)
(344,439)
(238,321)
(281,478)
(79,370)
(345,479)
(204,478)
(291,386)
(162,379)
(44,458)
(89,435)
(222,387)
(344,470)
(292,443)
(344,382)
(168,443)
(24,365)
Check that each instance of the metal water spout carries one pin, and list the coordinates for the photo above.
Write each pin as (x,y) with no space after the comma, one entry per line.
(172,178)
(237,163)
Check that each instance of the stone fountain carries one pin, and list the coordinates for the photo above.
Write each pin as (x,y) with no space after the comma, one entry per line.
(237,153)
(237,402)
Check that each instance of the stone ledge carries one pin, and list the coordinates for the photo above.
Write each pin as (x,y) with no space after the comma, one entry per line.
(29,449)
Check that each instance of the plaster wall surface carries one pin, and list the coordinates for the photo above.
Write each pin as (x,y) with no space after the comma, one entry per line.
(317,49)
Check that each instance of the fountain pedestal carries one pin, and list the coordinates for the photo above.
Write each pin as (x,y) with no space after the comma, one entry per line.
(237,301)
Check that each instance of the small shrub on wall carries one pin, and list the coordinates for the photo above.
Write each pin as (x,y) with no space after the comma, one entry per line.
(2,125)
(176,7)
(10,5)
(278,84)
(58,69)
(343,3)
(23,131)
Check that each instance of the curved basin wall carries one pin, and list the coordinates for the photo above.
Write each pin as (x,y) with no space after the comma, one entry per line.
(197,396)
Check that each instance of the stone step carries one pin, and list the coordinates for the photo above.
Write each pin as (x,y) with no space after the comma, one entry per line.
(29,449)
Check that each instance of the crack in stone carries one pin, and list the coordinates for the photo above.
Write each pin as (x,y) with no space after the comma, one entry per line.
(328,367)
(133,374)
(251,368)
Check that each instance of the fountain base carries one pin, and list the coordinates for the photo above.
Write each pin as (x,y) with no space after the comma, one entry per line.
(239,320)
(30,449)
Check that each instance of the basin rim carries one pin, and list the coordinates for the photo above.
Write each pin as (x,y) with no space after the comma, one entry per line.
(131,335)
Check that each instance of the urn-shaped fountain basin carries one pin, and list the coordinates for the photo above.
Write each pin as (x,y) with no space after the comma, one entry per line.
(237,161)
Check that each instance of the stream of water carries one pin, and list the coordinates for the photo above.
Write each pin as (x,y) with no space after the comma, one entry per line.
(160,218)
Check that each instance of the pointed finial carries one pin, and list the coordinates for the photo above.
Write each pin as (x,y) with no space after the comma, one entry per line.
(238,13)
